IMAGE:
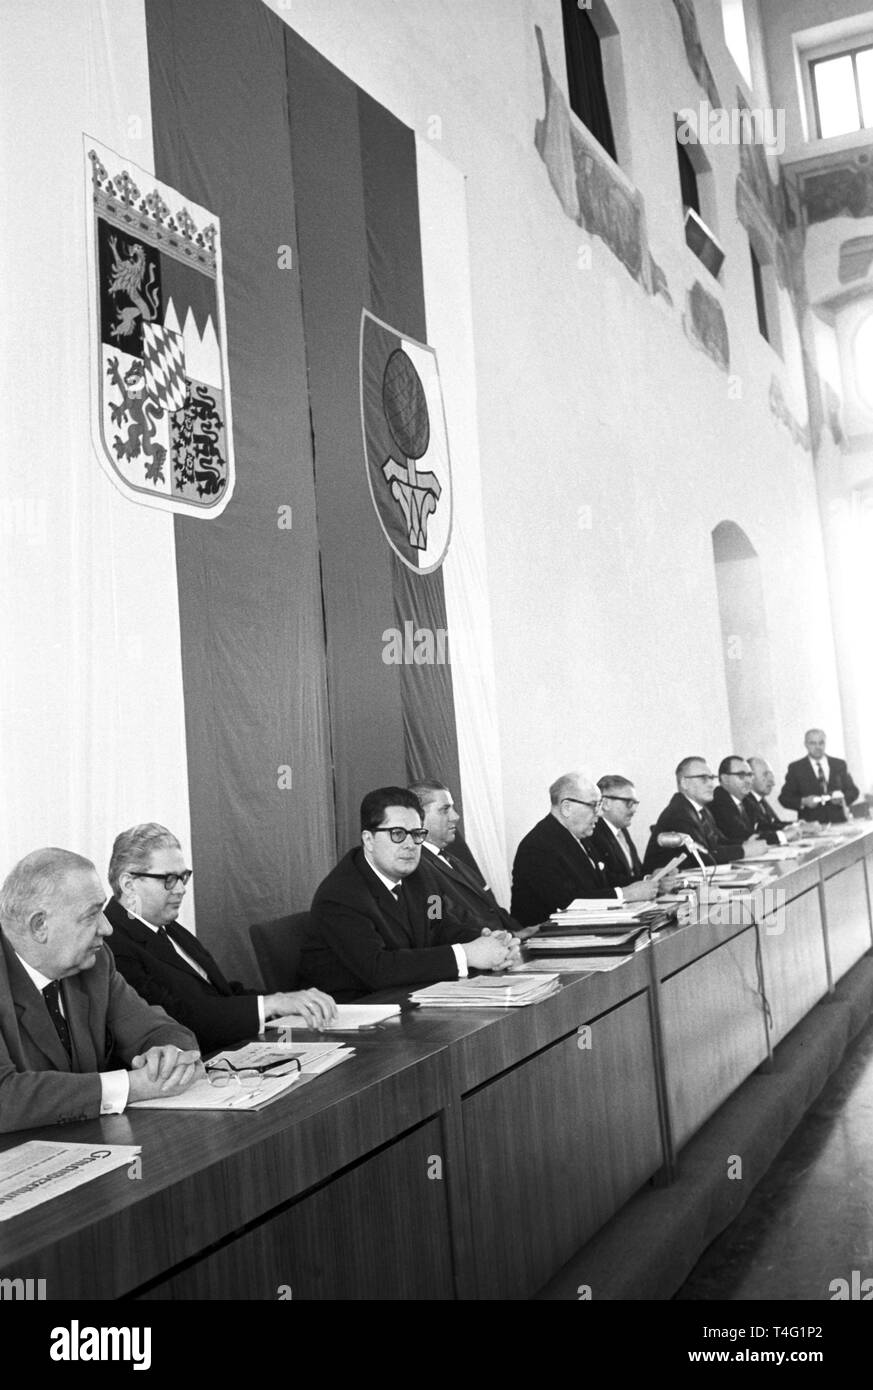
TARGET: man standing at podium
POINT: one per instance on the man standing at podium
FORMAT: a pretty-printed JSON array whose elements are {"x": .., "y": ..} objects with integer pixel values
[{"x": 818, "y": 787}]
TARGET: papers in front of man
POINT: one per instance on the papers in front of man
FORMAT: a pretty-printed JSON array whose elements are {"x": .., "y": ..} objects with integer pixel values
[
  {"x": 35, "y": 1172},
  {"x": 585, "y": 943},
  {"x": 595, "y": 914},
  {"x": 572, "y": 965},
  {"x": 349, "y": 1018},
  {"x": 488, "y": 992},
  {"x": 253, "y": 1076}
]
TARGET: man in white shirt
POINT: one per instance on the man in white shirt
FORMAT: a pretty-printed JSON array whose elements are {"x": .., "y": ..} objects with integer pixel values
[
  {"x": 466, "y": 897},
  {"x": 612, "y": 840},
  {"x": 75, "y": 1040},
  {"x": 767, "y": 824},
  {"x": 167, "y": 964},
  {"x": 819, "y": 788},
  {"x": 377, "y": 923}
]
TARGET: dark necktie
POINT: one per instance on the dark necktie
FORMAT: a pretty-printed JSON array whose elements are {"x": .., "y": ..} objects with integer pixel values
[
  {"x": 822, "y": 780},
  {"x": 51, "y": 995}
]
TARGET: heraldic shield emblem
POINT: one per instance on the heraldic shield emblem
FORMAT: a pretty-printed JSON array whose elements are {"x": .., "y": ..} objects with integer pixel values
[
  {"x": 160, "y": 398},
  {"x": 406, "y": 447}
]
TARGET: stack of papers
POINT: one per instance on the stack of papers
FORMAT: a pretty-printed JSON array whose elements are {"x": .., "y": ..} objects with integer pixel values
[
  {"x": 572, "y": 965},
  {"x": 350, "y": 1017},
  {"x": 587, "y": 943},
  {"x": 280, "y": 1066},
  {"x": 598, "y": 912},
  {"x": 488, "y": 992}
]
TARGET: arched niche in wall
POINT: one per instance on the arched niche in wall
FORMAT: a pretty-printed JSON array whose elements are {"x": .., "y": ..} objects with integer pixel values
[{"x": 745, "y": 645}]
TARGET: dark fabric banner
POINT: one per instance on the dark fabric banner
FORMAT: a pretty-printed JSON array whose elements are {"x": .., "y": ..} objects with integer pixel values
[
  {"x": 251, "y": 618},
  {"x": 388, "y": 655}
]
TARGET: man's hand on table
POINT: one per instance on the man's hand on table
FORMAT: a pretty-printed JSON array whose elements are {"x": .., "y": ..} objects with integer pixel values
[
  {"x": 162, "y": 1071},
  {"x": 314, "y": 1007}
]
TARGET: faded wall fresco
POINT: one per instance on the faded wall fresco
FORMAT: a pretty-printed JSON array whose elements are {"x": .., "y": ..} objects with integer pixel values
[
  {"x": 779, "y": 406},
  {"x": 844, "y": 189},
  {"x": 694, "y": 50},
  {"x": 588, "y": 189},
  {"x": 705, "y": 325},
  {"x": 856, "y": 258}
]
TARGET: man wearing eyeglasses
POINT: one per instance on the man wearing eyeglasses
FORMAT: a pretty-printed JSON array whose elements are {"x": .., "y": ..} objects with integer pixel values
[
  {"x": 611, "y": 840},
  {"x": 167, "y": 965},
  {"x": 688, "y": 813},
  {"x": 555, "y": 863},
  {"x": 377, "y": 920},
  {"x": 730, "y": 811}
]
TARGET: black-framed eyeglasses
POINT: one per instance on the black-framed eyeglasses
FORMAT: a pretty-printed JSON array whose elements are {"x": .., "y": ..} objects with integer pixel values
[
  {"x": 592, "y": 805},
  {"x": 628, "y": 800},
  {"x": 168, "y": 880},
  {"x": 700, "y": 776},
  {"x": 736, "y": 772},
  {"x": 224, "y": 1072},
  {"x": 398, "y": 834}
]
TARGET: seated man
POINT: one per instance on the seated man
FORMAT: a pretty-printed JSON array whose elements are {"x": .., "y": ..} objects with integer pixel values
[
  {"x": 377, "y": 921},
  {"x": 553, "y": 863},
  {"x": 819, "y": 788},
  {"x": 75, "y": 1040},
  {"x": 730, "y": 811},
  {"x": 688, "y": 813},
  {"x": 466, "y": 897},
  {"x": 611, "y": 841},
  {"x": 167, "y": 965},
  {"x": 766, "y": 822}
]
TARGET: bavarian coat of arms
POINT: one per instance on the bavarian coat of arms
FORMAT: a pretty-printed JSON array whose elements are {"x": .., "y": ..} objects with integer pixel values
[{"x": 160, "y": 416}]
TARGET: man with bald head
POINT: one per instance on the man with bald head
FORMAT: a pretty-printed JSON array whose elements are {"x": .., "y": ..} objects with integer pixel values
[
  {"x": 818, "y": 787},
  {"x": 75, "y": 1040},
  {"x": 688, "y": 813},
  {"x": 766, "y": 822},
  {"x": 554, "y": 863}
]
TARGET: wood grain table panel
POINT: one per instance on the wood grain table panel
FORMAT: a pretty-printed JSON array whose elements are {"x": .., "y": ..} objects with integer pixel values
[
  {"x": 378, "y": 1231},
  {"x": 714, "y": 1033},
  {"x": 556, "y": 1145},
  {"x": 795, "y": 966},
  {"x": 847, "y": 918}
]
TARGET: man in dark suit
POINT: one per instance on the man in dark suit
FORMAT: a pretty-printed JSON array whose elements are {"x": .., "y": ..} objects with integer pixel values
[
  {"x": 611, "y": 840},
  {"x": 167, "y": 965},
  {"x": 766, "y": 822},
  {"x": 466, "y": 897},
  {"x": 75, "y": 1040},
  {"x": 554, "y": 863},
  {"x": 819, "y": 788},
  {"x": 687, "y": 813},
  {"x": 730, "y": 811},
  {"x": 377, "y": 920}
]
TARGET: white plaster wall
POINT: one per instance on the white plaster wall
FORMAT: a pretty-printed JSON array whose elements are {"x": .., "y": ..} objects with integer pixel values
[{"x": 594, "y": 406}]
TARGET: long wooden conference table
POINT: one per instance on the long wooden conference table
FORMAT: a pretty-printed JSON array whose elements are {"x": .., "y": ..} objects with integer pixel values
[{"x": 459, "y": 1154}]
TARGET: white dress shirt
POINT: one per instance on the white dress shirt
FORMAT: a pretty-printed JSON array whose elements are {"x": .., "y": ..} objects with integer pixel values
[
  {"x": 391, "y": 884},
  {"x": 194, "y": 966},
  {"x": 114, "y": 1085}
]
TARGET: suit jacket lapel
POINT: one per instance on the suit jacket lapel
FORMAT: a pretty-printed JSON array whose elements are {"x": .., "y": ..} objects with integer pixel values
[
  {"x": 465, "y": 875},
  {"x": 389, "y": 905},
  {"x": 84, "y": 1015},
  {"x": 33, "y": 1016}
]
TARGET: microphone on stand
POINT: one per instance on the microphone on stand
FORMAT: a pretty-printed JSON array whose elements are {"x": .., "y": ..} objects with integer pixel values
[{"x": 674, "y": 839}]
